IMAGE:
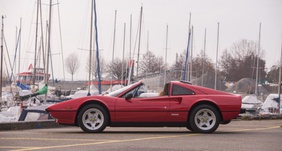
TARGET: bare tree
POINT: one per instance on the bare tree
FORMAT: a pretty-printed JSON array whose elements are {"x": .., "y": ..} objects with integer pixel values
[
  {"x": 115, "y": 68},
  {"x": 225, "y": 64},
  {"x": 201, "y": 64},
  {"x": 94, "y": 64},
  {"x": 198, "y": 64},
  {"x": 272, "y": 74},
  {"x": 240, "y": 61},
  {"x": 72, "y": 64},
  {"x": 177, "y": 67},
  {"x": 150, "y": 63}
]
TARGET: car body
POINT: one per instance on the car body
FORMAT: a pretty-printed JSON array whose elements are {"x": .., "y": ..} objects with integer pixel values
[{"x": 181, "y": 104}]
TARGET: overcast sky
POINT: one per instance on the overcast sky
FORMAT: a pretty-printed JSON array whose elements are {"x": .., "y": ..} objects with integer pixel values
[{"x": 238, "y": 19}]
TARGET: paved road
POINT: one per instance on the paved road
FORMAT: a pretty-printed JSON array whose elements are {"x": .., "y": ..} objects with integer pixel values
[{"x": 255, "y": 135}]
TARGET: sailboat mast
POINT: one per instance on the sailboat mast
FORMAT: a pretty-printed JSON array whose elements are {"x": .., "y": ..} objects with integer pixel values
[
  {"x": 130, "y": 35},
  {"x": 256, "y": 89},
  {"x": 216, "y": 58},
  {"x": 90, "y": 50},
  {"x": 141, "y": 11},
  {"x": 187, "y": 51},
  {"x": 166, "y": 54},
  {"x": 1, "y": 67},
  {"x": 147, "y": 49},
  {"x": 35, "y": 50},
  {"x": 191, "y": 54},
  {"x": 113, "y": 53},
  {"x": 48, "y": 49},
  {"x": 129, "y": 64},
  {"x": 97, "y": 50},
  {"x": 62, "y": 50},
  {"x": 204, "y": 58},
  {"x": 20, "y": 39},
  {"x": 122, "y": 71},
  {"x": 279, "y": 84},
  {"x": 16, "y": 47},
  {"x": 114, "y": 39},
  {"x": 49, "y": 38},
  {"x": 43, "y": 42}
]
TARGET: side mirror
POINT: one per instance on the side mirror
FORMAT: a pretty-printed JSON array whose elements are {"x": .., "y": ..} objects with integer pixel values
[{"x": 128, "y": 96}]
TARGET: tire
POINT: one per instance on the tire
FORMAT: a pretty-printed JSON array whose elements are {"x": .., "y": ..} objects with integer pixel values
[
  {"x": 93, "y": 118},
  {"x": 204, "y": 119},
  {"x": 225, "y": 122},
  {"x": 189, "y": 127}
]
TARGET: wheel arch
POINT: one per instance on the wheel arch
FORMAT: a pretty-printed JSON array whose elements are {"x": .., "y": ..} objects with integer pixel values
[
  {"x": 92, "y": 102},
  {"x": 207, "y": 103}
]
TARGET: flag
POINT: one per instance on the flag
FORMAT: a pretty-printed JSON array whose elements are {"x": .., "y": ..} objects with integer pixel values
[
  {"x": 30, "y": 67},
  {"x": 43, "y": 90},
  {"x": 130, "y": 63}
]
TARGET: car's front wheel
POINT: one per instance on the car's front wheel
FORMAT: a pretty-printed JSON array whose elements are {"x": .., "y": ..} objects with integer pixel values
[
  {"x": 204, "y": 119},
  {"x": 93, "y": 118}
]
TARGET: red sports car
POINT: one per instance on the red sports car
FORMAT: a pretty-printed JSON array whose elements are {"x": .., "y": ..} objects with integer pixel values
[{"x": 180, "y": 104}]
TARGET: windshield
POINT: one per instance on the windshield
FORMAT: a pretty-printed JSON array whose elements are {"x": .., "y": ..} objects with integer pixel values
[{"x": 116, "y": 92}]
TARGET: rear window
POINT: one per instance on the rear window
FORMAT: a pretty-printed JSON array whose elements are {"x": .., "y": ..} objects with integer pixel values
[{"x": 179, "y": 90}]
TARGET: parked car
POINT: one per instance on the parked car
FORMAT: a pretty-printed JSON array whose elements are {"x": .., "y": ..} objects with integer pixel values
[{"x": 181, "y": 104}]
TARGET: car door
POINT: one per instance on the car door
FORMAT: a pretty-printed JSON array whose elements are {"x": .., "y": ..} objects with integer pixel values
[
  {"x": 141, "y": 109},
  {"x": 180, "y": 101}
]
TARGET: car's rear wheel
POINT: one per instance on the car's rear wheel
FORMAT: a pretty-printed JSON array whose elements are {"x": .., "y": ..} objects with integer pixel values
[
  {"x": 204, "y": 119},
  {"x": 93, "y": 118}
]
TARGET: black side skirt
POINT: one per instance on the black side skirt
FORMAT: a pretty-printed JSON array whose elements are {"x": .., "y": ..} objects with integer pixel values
[{"x": 145, "y": 124}]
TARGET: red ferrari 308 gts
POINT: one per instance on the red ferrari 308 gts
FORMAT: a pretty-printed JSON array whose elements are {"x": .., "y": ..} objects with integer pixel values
[{"x": 180, "y": 104}]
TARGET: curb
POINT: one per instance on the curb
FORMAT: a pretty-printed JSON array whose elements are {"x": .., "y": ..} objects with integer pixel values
[
  {"x": 260, "y": 117},
  {"x": 28, "y": 125}
]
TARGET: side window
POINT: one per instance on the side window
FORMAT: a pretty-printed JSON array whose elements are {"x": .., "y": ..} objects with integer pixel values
[
  {"x": 179, "y": 90},
  {"x": 135, "y": 92}
]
